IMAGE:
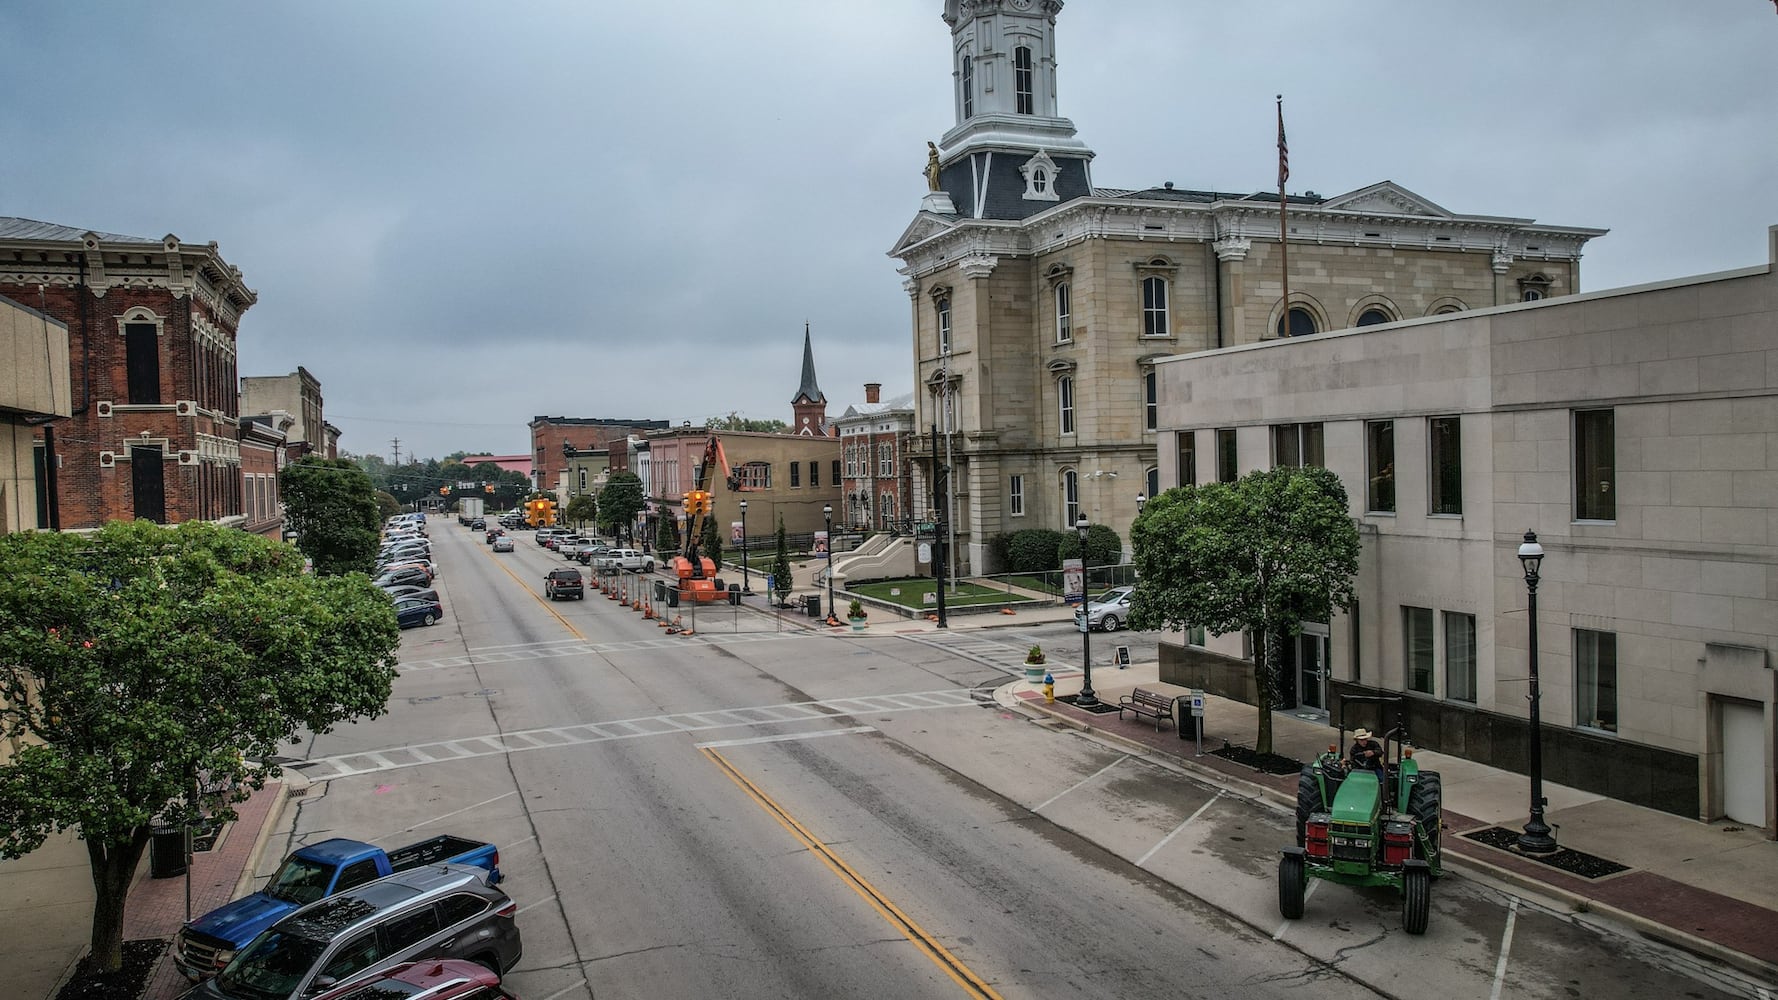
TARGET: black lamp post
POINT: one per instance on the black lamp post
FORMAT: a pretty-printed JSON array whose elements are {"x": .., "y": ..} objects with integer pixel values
[
  {"x": 1536, "y": 839},
  {"x": 1086, "y": 698},
  {"x": 827, "y": 514},
  {"x": 746, "y": 585}
]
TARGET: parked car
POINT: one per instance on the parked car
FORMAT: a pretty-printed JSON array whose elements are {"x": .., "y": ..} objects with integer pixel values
[
  {"x": 545, "y": 534},
  {"x": 634, "y": 560},
  {"x": 203, "y": 946},
  {"x": 410, "y": 612},
  {"x": 503, "y": 544},
  {"x": 394, "y": 577},
  {"x": 413, "y": 591},
  {"x": 564, "y": 583},
  {"x": 422, "y": 565},
  {"x": 429, "y": 979},
  {"x": 570, "y": 546},
  {"x": 1108, "y": 611},
  {"x": 590, "y": 551},
  {"x": 398, "y": 552},
  {"x": 439, "y": 911}
]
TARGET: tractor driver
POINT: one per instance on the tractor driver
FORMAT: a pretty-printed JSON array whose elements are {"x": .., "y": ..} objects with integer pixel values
[{"x": 1367, "y": 754}]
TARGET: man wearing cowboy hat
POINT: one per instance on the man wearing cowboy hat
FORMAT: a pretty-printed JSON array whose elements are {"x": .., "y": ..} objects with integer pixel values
[{"x": 1367, "y": 753}]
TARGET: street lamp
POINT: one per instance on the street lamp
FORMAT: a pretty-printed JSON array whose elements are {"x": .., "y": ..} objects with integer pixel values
[
  {"x": 1086, "y": 698},
  {"x": 746, "y": 585},
  {"x": 827, "y": 514},
  {"x": 1536, "y": 839}
]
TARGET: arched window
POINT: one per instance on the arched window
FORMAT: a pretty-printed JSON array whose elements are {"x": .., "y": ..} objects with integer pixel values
[
  {"x": 944, "y": 325},
  {"x": 1532, "y": 294},
  {"x": 1153, "y": 478},
  {"x": 968, "y": 83},
  {"x": 1302, "y": 323},
  {"x": 1064, "y": 317},
  {"x": 1070, "y": 499},
  {"x": 1372, "y": 317},
  {"x": 1154, "y": 306},
  {"x": 1065, "y": 402},
  {"x": 1022, "y": 82}
]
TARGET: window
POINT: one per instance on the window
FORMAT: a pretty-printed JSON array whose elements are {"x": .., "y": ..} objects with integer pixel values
[
  {"x": 353, "y": 957},
  {"x": 460, "y": 907},
  {"x": 1194, "y": 636},
  {"x": 1070, "y": 499},
  {"x": 967, "y": 72},
  {"x": 1022, "y": 82},
  {"x": 814, "y": 474},
  {"x": 1594, "y": 458},
  {"x": 1187, "y": 450},
  {"x": 1416, "y": 638},
  {"x": 412, "y": 928},
  {"x": 583, "y": 480},
  {"x": 1151, "y": 404},
  {"x": 142, "y": 361},
  {"x": 886, "y": 511},
  {"x": 1379, "y": 465},
  {"x": 1445, "y": 435},
  {"x": 1227, "y": 466},
  {"x": 1459, "y": 656},
  {"x": 1153, "y": 480},
  {"x": 1065, "y": 402},
  {"x": 836, "y": 473},
  {"x": 944, "y": 325},
  {"x": 1015, "y": 496},
  {"x": 40, "y": 472},
  {"x": 757, "y": 475},
  {"x": 1595, "y": 679},
  {"x": 851, "y": 460},
  {"x": 1154, "y": 306},
  {"x": 885, "y": 460},
  {"x": 796, "y": 476},
  {"x": 1301, "y": 323},
  {"x": 148, "y": 488},
  {"x": 1373, "y": 317},
  {"x": 1296, "y": 445},
  {"x": 1064, "y": 313},
  {"x": 356, "y": 874},
  {"x": 1532, "y": 295}
]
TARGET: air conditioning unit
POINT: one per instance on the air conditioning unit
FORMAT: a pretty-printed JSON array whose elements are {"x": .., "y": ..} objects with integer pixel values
[
  {"x": 188, "y": 458},
  {"x": 107, "y": 459},
  {"x": 104, "y": 409},
  {"x": 185, "y": 408}
]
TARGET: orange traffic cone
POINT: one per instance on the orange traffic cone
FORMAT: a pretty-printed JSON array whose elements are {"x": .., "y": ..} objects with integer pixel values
[{"x": 647, "y": 608}]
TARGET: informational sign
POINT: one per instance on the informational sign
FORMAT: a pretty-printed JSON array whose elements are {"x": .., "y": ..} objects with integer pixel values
[
  {"x": 1198, "y": 704},
  {"x": 734, "y": 532},
  {"x": 1074, "y": 581},
  {"x": 925, "y": 552},
  {"x": 821, "y": 544},
  {"x": 1122, "y": 658},
  {"x": 929, "y": 597}
]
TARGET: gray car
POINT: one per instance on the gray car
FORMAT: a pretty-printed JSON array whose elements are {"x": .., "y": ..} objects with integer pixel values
[
  {"x": 1109, "y": 610},
  {"x": 440, "y": 911}
]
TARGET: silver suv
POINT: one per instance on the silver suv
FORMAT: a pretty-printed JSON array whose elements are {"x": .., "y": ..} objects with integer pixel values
[{"x": 440, "y": 911}]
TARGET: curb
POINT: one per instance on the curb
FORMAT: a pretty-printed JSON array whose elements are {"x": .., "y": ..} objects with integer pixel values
[
  {"x": 294, "y": 784},
  {"x": 1478, "y": 869}
]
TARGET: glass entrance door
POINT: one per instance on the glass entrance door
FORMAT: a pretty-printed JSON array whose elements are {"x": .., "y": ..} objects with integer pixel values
[{"x": 1311, "y": 658}]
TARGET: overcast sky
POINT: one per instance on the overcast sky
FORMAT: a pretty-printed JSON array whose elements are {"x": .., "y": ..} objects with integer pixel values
[{"x": 459, "y": 216}]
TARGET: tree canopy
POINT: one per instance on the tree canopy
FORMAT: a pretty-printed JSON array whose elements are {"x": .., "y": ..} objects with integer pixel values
[
  {"x": 137, "y": 661},
  {"x": 332, "y": 506},
  {"x": 619, "y": 502},
  {"x": 1262, "y": 555},
  {"x": 583, "y": 508},
  {"x": 735, "y": 422}
]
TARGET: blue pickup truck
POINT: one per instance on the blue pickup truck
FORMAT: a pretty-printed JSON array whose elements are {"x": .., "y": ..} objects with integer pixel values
[{"x": 318, "y": 871}]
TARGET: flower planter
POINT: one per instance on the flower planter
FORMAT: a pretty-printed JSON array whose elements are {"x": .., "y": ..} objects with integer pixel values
[
  {"x": 1034, "y": 672},
  {"x": 858, "y": 623}
]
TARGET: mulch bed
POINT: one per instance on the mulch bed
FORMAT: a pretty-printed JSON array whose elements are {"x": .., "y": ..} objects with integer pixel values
[
  {"x": 125, "y": 984},
  {"x": 1097, "y": 708},
  {"x": 1564, "y": 859},
  {"x": 1265, "y": 763}
]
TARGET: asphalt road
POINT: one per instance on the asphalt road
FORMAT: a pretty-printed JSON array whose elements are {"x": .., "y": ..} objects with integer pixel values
[{"x": 767, "y": 812}]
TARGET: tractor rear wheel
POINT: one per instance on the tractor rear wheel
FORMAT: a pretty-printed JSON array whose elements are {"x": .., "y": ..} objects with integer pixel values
[
  {"x": 1308, "y": 800},
  {"x": 1292, "y": 881},
  {"x": 1416, "y": 899},
  {"x": 1426, "y": 802}
]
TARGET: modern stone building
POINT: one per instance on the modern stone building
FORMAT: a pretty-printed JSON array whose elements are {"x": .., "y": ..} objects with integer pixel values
[
  {"x": 153, "y": 430},
  {"x": 1039, "y": 301},
  {"x": 1634, "y": 430},
  {"x": 299, "y": 395},
  {"x": 33, "y": 392}
]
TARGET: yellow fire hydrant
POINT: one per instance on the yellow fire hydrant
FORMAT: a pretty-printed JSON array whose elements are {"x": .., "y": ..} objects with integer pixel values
[{"x": 1049, "y": 689}]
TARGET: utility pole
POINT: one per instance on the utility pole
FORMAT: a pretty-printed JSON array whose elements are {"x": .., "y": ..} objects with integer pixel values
[
  {"x": 396, "y": 444},
  {"x": 941, "y": 491}
]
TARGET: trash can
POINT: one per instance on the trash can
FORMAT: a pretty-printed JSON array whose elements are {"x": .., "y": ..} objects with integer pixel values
[
  {"x": 734, "y": 593},
  {"x": 166, "y": 852},
  {"x": 660, "y": 591},
  {"x": 812, "y": 605}
]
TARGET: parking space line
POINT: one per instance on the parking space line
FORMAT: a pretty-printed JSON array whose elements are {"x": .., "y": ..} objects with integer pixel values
[
  {"x": 1506, "y": 947},
  {"x": 1278, "y": 935},
  {"x": 1164, "y": 840},
  {"x": 454, "y": 812},
  {"x": 535, "y": 904},
  {"x": 1070, "y": 788},
  {"x": 557, "y": 995}
]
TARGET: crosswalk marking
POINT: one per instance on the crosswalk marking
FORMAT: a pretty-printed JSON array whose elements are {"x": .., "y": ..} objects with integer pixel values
[
  {"x": 495, "y": 744},
  {"x": 595, "y": 648},
  {"x": 1007, "y": 657}
]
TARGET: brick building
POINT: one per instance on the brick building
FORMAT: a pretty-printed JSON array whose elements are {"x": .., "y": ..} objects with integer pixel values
[
  {"x": 554, "y": 438},
  {"x": 793, "y": 475},
  {"x": 263, "y": 455},
  {"x": 153, "y": 429},
  {"x": 877, "y": 482}
]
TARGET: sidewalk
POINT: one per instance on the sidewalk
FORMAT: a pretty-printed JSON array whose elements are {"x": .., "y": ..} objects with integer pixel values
[{"x": 1711, "y": 889}]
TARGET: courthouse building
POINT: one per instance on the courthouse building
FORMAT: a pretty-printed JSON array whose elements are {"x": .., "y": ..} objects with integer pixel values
[{"x": 1040, "y": 302}]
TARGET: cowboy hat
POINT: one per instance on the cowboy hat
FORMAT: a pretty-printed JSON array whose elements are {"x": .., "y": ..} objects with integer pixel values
[{"x": 1361, "y": 733}]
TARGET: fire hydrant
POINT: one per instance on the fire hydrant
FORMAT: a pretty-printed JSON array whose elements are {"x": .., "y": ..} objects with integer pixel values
[{"x": 1049, "y": 689}]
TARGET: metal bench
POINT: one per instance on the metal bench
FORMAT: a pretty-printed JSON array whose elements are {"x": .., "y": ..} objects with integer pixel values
[{"x": 1150, "y": 703}]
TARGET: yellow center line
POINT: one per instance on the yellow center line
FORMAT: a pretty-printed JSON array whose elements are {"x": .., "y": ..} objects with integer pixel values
[
  {"x": 547, "y": 606},
  {"x": 972, "y": 984}
]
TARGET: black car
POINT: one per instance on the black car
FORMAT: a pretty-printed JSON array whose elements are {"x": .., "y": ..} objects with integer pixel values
[
  {"x": 479, "y": 524},
  {"x": 412, "y": 611},
  {"x": 397, "y": 577}
]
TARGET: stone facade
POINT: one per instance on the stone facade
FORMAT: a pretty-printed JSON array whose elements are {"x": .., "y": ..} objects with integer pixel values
[
  {"x": 298, "y": 394},
  {"x": 33, "y": 389},
  {"x": 1635, "y": 431},
  {"x": 787, "y": 474}
]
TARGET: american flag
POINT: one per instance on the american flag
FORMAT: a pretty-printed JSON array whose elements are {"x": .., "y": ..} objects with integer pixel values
[{"x": 1284, "y": 148}]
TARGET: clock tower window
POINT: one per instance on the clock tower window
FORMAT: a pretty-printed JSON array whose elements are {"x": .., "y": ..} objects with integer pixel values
[{"x": 1022, "y": 80}]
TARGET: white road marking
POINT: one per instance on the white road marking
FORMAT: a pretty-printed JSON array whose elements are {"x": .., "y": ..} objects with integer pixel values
[
  {"x": 1070, "y": 788},
  {"x": 579, "y": 648},
  {"x": 533, "y": 905},
  {"x": 787, "y": 737},
  {"x": 525, "y": 645},
  {"x": 557, "y": 995},
  {"x": 1285, "y": 926},
  {"x": 386, "y": 758},
  {"x": 1506, "y": 947},
  {"x": 454, "y": 812},
  {"x": 1164, "y": 840}
]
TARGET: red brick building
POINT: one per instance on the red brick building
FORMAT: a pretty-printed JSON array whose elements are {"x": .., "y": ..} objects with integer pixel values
[
  {"x": 552, "y": 438},
  {"x": 877, "y": 484},
  {"x": 155, "y": 431},
  {"x": 262, "y": 458}
]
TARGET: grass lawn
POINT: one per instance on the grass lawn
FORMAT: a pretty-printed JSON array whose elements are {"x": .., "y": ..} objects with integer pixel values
[{"x": 913, "y": 593}]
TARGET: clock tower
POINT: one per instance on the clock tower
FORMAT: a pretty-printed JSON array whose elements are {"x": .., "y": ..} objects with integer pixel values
[{"x": 1010, "y": 155}]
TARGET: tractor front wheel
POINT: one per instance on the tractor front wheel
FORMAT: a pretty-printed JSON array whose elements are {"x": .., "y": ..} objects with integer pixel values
[
  {"x": 1416, "y": 899},
  {"x": 1293, "y": 880}
]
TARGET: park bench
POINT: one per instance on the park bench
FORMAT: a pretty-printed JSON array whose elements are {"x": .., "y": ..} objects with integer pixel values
[{"x": 1150, "y": 703}]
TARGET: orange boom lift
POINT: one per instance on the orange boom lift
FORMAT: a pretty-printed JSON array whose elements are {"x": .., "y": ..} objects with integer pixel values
[{"x": 696, "y": 571}]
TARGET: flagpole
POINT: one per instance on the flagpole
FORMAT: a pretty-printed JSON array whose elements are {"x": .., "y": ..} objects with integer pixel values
[{"x": 1283, "y": 225}]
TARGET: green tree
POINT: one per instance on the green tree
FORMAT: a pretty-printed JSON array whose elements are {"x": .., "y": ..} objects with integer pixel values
[
  {"x": 666, "y": 535},
  {"x": 583, "y": 508},
  {"x": 333, "y": 509},
  {"x": 141, "y": 661},
  {"x": 710, "y": 542},
  {"x": 781, "y": 564},
  {"x": 1262, "y": 555},
  {"x": 735, "y": 422},
  {"x": 619, "y": 502},
  {"x": 387, "y": 505}
]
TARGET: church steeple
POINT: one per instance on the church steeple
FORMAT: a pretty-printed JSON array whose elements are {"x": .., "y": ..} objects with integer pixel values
[
  {"x": 1010, "y": 154},
  {"x": 809, "y": 407}
]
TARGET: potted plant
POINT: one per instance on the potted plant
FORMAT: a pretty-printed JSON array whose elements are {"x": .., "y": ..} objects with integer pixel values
[
  {"x": 1034, "y": 661},
  {"x": 855, "y": 615}
]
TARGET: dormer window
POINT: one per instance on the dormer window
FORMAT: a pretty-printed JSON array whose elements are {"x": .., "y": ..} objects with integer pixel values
[
  {"x": 1533, "y": 288},
  {"x": 1040, "y": 178},
  {"x": 1022, "y": 81}
]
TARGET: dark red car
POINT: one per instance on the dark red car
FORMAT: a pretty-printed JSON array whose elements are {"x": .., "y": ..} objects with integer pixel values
[{"x": 433, "y": 979}]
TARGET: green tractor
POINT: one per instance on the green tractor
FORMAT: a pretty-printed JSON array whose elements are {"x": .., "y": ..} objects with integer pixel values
[{"x": 1355, "y": 826}]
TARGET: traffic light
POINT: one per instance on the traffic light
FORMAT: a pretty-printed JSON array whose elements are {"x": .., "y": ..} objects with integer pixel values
[
  {"x": 697, "y": 502},
  {"x": 488, "y": 488},
  {"x": 444, "y": 491}
]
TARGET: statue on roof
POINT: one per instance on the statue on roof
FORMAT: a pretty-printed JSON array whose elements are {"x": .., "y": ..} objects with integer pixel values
[{"x": 931, "y": 167}]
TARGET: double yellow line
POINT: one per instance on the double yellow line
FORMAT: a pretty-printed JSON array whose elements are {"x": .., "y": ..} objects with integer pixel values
[
  {"x": 926, "y": 943},
  {"x": 547, "y": 605}
]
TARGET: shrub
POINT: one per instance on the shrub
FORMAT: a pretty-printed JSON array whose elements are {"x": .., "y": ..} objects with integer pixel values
[
  {"x": 999, "y": 552},
  {"x": 1034, "y": 550},
  {"x": 855, "y": 609},
  {"x": 1104, "y": 547}
]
